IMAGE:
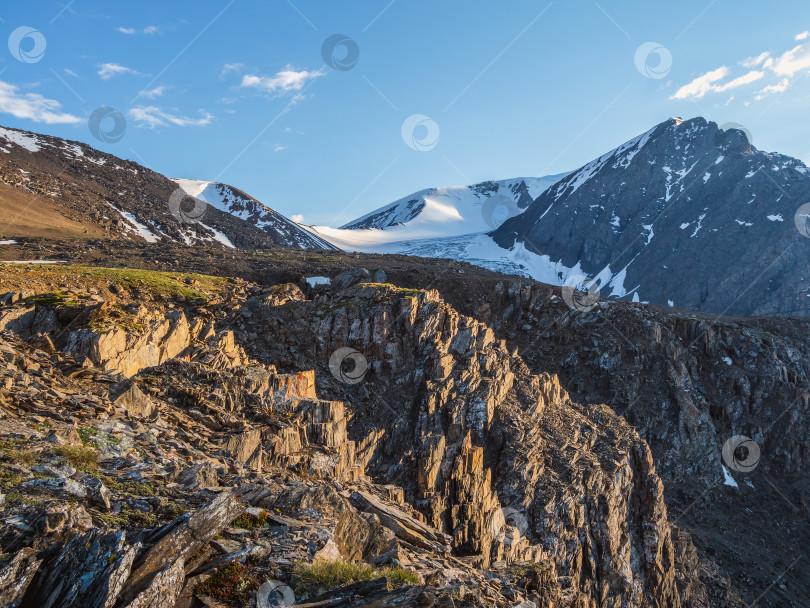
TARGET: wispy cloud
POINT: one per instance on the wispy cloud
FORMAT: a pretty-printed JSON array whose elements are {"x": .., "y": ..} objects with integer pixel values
[
  {"x": 286, "y": 81},
  {"x": 152, "y": 116},
  {"x": 33, "y": 106},
  {"x": 701, "y": 85},
  {"x": 748, "y": 78},
  {"x": 153, "y": 93},
  {"x": 111, "y": 70},
  {"x": 795, "y": 60},
  {"x": 150, "y": 30},
  {"x": 231, "y": 67},
  {"x": 752, "y": 62},
  {"x": 71, "y": 73},
  {"x": 125, "y": 30},
  {"x": 279, "y": 148},
  {"x": 773, "y": 89},
  {"x": 786, "y": 65}
]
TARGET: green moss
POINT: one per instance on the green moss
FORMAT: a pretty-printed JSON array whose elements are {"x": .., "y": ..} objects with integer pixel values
[{"x": 322, "y": 576}]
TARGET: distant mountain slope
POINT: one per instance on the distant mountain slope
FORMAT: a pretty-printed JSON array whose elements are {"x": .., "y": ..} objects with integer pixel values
[
  {"x": 438, "y": 213},
  {"x": 64, "y": 189},
  {"x": 685, "y": 214},
  {"x": 231, "y": 200}
]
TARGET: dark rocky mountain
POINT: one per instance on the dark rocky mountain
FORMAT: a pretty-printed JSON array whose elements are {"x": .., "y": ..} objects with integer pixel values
[
  {"x": 56, "y": 188},
  {"x": 686, "y": 214}
]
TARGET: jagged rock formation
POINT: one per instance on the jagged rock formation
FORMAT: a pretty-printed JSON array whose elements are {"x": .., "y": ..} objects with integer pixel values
[
  {"x": 689, "y": 382},
  {"x": 450, "y": 457}
]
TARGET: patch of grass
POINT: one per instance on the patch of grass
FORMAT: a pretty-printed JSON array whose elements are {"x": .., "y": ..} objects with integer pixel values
[
  {"x": 130, "y": 518},
  {"x": 84, "y": 459},
  {"x": 23, "y": 457},
  {"x": 322, "y": 576},
  {"x": 191, "y": 286},
  {"x": 231, "y": 585},
  {"x": 15, "y": 451},
  {"x": 400, "y": 290},
  {"x": 131, "y": 488},
  {"x": 58, "y": 299}
]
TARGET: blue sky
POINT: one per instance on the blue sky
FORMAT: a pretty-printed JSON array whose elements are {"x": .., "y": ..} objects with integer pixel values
[{"x": 242, "y": 92}]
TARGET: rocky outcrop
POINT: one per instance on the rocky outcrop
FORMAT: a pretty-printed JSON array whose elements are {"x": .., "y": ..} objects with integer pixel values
[
  {"x": 448, "y": 458},
  {"x": 485, "y": 451}
]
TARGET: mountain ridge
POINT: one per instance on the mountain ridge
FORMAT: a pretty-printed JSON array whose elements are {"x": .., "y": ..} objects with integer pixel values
[
  {"x": 75, "y": 189},
  {"x": 684, "y": 199}
]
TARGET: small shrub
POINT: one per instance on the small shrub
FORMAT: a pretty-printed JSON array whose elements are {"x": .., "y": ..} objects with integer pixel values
[
  {"x": 231, "y": 585},
  {"x": 249, "y": 521},
  {"x": 83, "y": 459},
  {"x": 322, "y": 576},
  {"x": 23, "y": 457}
]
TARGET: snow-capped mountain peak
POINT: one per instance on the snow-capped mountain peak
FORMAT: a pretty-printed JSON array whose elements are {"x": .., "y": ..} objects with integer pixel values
[{"x": 282, "y": 230}]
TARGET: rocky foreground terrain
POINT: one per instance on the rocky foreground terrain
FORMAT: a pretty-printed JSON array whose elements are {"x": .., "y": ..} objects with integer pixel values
[
  {"x": 155, "y": 455},
  {"x": 181, "y": 437}
]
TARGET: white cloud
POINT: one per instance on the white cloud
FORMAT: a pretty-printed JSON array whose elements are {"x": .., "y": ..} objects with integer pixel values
[
  {"x": 786, "y": 65},
  {"x": 701, "y": 85},
  {"x": 150, "y": 30},
  {"x": 33, "y": 106},
  {"x": 286, "y": 81},
  {"x": 794, "y": 60},
  {"x": 772, "y": 89},
  {"x": 152, "y": 116},
  {"x": 279, "y": 148},
  {"x": 753, "y": 62},
  {"x": 231, "y": 67},
  {"x": 297, "y": 218},
  {"x": 748, "y": 78},
  {"x": 110, "y": 70},
  {"x": 71, "y": 73},
  {"x": 153, "y": 93},
  {"x": 126, "y": 30}
]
